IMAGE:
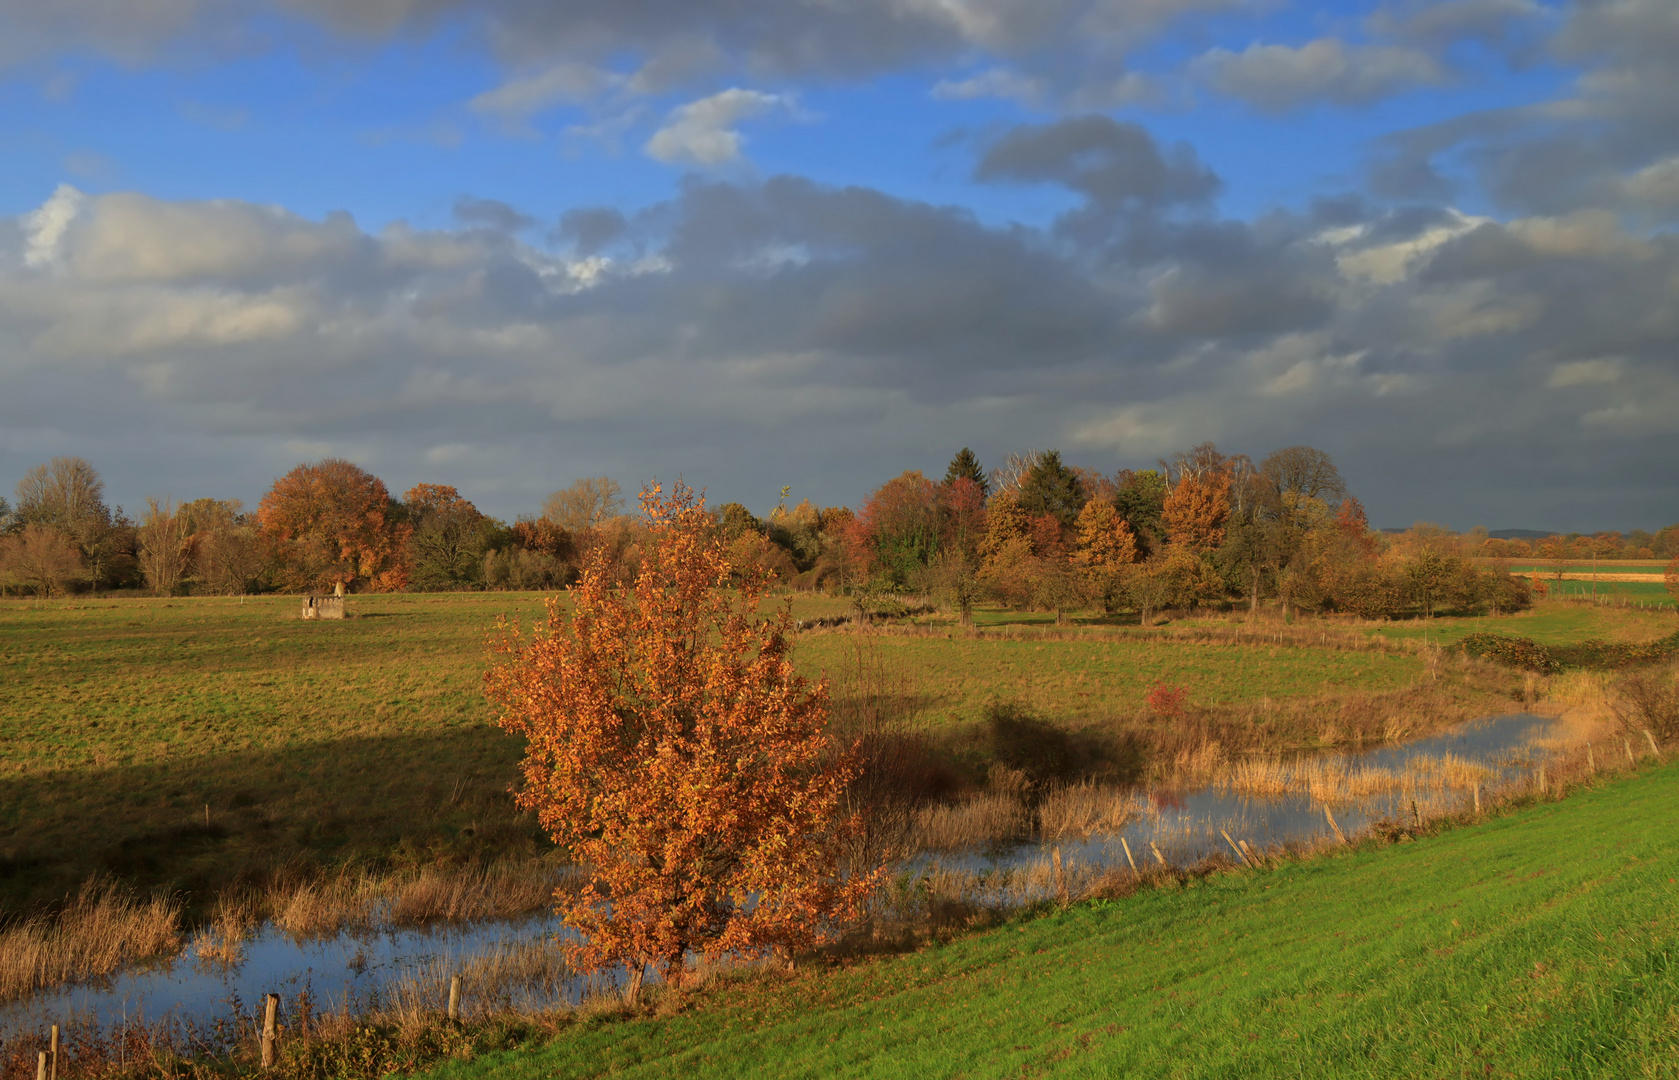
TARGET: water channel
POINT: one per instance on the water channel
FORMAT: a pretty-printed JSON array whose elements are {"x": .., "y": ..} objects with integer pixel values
[{"x": 354, "y": 969}]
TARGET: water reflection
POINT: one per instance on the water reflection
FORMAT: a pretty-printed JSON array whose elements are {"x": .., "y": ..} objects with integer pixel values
[{"x": 520, "y": 959}]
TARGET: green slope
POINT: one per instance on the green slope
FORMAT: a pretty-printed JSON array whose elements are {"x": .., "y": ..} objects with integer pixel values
[{"x": 1538, "y": 944}]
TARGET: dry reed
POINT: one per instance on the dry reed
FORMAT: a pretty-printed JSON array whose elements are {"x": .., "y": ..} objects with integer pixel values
[{"x": 97, "y": 932}]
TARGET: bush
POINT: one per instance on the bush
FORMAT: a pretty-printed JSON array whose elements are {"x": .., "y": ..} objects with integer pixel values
[{"x": 1516, "y": 652}]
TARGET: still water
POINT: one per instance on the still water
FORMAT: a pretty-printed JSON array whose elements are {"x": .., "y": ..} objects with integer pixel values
[{"x": 354, "y": 968}]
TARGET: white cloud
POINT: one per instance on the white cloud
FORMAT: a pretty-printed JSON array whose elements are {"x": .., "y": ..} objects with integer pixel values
[
  {"x": 703, "y": 132},
  {"x": 1276, "y": 78},
  {"x": 1598, "y": 372},
  {"x": 1656, "y": 186},
  {"x": 45, "y": 226}
]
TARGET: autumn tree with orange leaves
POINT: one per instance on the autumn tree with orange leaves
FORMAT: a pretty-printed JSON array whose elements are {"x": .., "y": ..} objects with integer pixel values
[
  {"x": 675, "y": 752},
  {"x": 1196, "y": 510},
  {"x": 332, "y": 523}
]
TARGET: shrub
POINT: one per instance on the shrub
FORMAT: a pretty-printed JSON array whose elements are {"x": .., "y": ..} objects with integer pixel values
[{"x": 1516, "y": 652}]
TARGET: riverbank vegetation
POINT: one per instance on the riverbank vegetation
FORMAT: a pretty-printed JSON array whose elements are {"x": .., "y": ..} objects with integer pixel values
[{"x": 1528, "y": 937}]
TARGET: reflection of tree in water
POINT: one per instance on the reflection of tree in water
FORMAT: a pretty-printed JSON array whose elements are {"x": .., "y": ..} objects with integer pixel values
[{"x": 1167, "y": 799}]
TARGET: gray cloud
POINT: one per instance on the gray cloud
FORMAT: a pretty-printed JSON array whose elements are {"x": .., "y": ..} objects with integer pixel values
[
  {"x": 491, "y": 213},
  {"x": 1112, "y": 164},
  {"x": 749, "y": 335}
]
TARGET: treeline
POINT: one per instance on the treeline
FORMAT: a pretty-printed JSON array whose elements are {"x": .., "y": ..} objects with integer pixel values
[{"x": 1204, "y": 529}]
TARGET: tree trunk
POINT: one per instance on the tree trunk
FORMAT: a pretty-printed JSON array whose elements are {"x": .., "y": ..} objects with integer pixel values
[
  {"x": 632, "y": 992},
  {"x": 1060, "y": 617},
  {"x": 967, "y": 613},
  {"x": 1253, "y": 601}
]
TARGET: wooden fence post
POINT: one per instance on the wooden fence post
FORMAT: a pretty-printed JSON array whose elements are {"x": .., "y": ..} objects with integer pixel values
[
  {"x": 41, "y": 1066},
  {"x": 1234, "y": 847},
  {"x": 1541, "y": 779},
  {"x": 1630, "y": 759},
  {"x": 271, "y": 1007},
  {"x": 1333, "y": 824},
  {"x": 1477, "y": 796},
  {"x": 1128, "y": 857},
  {"x": 1651, "y": 739},
  {"x": 1591, "y": 762},
  {"x": 1157, "y": 854},
  {"x": 454, "y": 999},
  {"x": 54, "y": 1074},
  {"x": 1060, "y": 878}
]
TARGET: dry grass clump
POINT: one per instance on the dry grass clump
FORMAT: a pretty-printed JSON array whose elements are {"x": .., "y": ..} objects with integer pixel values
[
  {"x": 1080, "y": 810},
  {"x": 1338, "y": 780},
  {"x": 98, "y": 931},
  {"x": 983, "y": 820},
  {"x": 497, "y": 892},
  {"x": 222, "y": 942}
]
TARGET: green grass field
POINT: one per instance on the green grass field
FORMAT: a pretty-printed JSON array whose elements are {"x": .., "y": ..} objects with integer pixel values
[
  {"x": 314, "y": 743},
  {"x": 1538, "y": 944},
  {"x": 1546, "y": 623}
]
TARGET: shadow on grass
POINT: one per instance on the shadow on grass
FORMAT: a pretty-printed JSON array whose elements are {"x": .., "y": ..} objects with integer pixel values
[{"x": 200, "y": 825}]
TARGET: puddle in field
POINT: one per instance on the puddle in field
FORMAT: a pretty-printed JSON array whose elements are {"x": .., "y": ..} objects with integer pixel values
[{"x": 517, "y": 963}]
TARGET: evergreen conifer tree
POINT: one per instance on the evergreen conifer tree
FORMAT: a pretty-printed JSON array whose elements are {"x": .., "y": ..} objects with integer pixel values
[{"x": 965, "y": 464}]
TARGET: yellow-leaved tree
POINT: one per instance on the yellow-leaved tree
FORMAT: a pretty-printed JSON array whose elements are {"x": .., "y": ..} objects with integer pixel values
[{"x": 675, "y": 753}]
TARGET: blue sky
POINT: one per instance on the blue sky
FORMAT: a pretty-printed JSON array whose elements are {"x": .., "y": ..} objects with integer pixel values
[{"x": 1432, "y": 238}]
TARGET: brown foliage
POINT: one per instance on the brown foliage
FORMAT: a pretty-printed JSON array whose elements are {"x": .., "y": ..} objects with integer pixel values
[
  {"x": 330, "y": 523},
  {"x": 1197, "y": 508},
  {"x": 674, "y": 750},
  {"x": 40, "y": 559}
]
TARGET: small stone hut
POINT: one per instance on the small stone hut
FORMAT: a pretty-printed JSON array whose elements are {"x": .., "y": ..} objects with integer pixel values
[{"x": 321, "y": 606}]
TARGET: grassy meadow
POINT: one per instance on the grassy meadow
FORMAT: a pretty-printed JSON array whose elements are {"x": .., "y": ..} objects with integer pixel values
[
  {"x": 194, "y": 744},
  {"x": 1546, "y": 623},
  {"x": 1539, "y": 943}
]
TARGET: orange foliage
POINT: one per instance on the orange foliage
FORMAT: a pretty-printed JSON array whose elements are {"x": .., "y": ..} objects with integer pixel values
[
  {"x": 330, "y": 522},
  {"x": 674, "y": 751},
  {"x": 1104, "y": 539},
  {"x": 1196, "y": 510}
]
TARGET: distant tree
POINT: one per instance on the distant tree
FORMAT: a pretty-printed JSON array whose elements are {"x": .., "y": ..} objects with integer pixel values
[
  {"x": 41, "y": 559},
  {"x": 1304, "y": 473},
  {"x": 227, "y": 557},
  {"x": 333, "y": 522},
  {"x": 1556, "y": 551},
  {"x": 675, "y": 752},
  {"x": 586, "y": 504},
  {"x": 166, "y": 546},
  {"x": 68, "y": 495},
  {"x": 448, "y": 540},
  {"x": 1050, "y": 487},
  {"x": 1141, "y": 500},
  {"x": 1012, "y": 473},
  {"x": 7, "y": 521},
  {"x": 1105, "y": 548},
  {"x": 1671, "y": 578},
  {"x": 965, "y": 466},
  {"x": 1196, "y": 510},
  {"x": 898, "y": 527},
  {"x": 735, "y": 520}
]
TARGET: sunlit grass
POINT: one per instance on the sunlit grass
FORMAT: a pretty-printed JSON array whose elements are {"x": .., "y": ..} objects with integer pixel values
[{"x": 1536, "y": 944}]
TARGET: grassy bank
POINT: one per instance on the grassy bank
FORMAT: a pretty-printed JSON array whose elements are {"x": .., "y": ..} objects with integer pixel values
[
  {"x": 1541, "y": 943},
  {"x": 197, "y": 745}
]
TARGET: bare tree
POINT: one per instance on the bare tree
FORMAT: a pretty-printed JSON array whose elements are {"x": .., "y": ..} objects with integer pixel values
[
  {"x": 165, "y": 546},
  {"x": 1305, "y": 473},
  {"x": 40, "y": 559},
  {"x": 1013, "y": 471},
  {"x": 66, "y": 494},
  {"x": 584, "y": 505}
]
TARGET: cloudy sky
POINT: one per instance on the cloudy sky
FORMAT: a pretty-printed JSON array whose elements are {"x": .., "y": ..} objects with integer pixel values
[{"x": 507, "y": 243}]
